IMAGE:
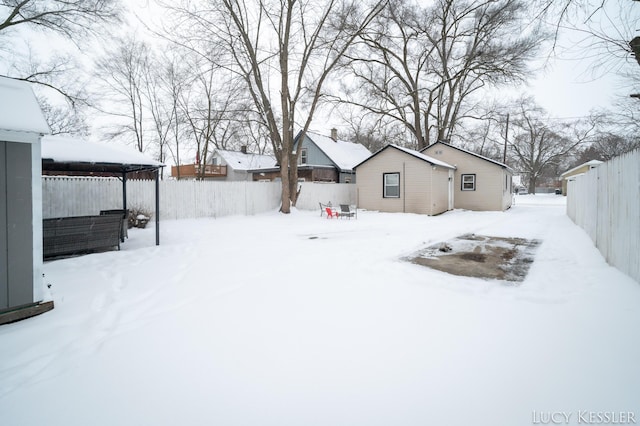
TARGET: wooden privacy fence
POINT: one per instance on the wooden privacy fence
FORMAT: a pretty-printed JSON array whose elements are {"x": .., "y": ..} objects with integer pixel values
[
  {"x": 183, "y": 199},
  {"x": 605, "y": 202}
]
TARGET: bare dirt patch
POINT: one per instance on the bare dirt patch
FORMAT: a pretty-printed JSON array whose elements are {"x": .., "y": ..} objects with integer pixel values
[{"x": 480, "y": 256}]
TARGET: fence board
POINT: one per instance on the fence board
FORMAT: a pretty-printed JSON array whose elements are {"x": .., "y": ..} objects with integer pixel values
[
  {"x": 605, "y": 202},
  {"x": 183, "y": 199}
]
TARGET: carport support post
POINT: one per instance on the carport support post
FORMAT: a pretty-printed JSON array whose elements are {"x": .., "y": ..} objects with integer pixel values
[
  {"x": 124, "y": 190},
  {"x": 157, "y": 207}
]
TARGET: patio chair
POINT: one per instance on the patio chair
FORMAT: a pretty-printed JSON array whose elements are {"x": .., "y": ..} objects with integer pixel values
[
  {"x": 345, "y": 210},
  {"x": 331, "y": 213},
  {"x": 323, "y": 207}
]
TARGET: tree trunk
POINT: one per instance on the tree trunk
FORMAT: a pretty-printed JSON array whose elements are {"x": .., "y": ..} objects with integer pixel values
[
  {"x": 293, "y": 177},
  {"x": 285, "y": 206},
  {"x": 532, "y": 185}
]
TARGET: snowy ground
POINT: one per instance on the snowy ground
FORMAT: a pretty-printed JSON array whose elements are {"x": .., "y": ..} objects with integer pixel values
[{"x": 250, "y": 321}]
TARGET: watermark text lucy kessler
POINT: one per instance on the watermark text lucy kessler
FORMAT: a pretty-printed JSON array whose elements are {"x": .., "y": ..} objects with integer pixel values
[{"x": 584, "y": 417}]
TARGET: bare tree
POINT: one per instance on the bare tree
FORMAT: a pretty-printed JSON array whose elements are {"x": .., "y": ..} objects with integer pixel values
[
  {"x": 68, "y": 121},
  {"x": 174, "y": 82},
  {"x": 211, "y": 108},
  {"x": 123, "y": 71},
  {"x": 537, "y": 145},
  {"x": 617, "y": 132},
  {"x": 164, "y": 81},
  {"x": 72, "y": 20},
  {"x": 611, "y": 23},
  {"x": 284, "y": 52},
  {"x": 371, "y": 130},
  {"x": 607, "y": 146},
  {"x": 67, "y": 17},
  {"x": 422, "y": 65},
  {"x": 485, "y": 139}
]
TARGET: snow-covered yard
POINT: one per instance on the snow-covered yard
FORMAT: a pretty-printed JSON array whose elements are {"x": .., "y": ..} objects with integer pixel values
[{"x": 300, "y": 320}]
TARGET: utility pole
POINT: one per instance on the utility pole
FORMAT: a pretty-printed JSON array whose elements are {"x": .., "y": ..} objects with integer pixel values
[{"x": 506, "y": 135}]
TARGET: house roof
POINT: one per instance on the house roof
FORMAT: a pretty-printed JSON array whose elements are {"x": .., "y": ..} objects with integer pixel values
[
  {"x": 61, "y": 153},
  {"x": 345, "y": 155},
  {"x": 19, "y": 109},
  {"x": 413, "y": 153},
  {"x": 482, "y": 157},
  {"x": 241, "y": 161},
  {"x": 592, "y": 163}
]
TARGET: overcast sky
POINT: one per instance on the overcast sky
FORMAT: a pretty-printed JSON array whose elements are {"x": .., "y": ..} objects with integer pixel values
[
  {"x": 566, "y": 88},
  {"x": 568, "y": 85}
]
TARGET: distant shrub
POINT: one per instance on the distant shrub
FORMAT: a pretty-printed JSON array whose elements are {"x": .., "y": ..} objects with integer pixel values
[{"x": 138, "y": 217}]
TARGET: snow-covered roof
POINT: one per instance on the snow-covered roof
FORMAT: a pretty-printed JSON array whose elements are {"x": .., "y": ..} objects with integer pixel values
[
  {"x": 62, "y": 149},
  {"x": 413, "y": 153},
  {"x": 345, "y": 155},
  {"x": 470, "y": 153},
  {"x": 19, "y": 109},
  {"x": 591, "y": 164},
  {"x": 241, "y": 161},
  {"x": 424, "y": 157}
]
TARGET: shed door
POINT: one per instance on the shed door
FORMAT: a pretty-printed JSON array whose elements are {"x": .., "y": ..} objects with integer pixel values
[
  {"x": 4, "y": 273},
  {"x": 16, "y": 225}
]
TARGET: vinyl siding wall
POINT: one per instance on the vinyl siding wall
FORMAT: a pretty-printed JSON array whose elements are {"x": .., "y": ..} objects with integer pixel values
[
  {"x": 314, "y": 155},
  {"x": 490, "y": 193},
  {"x": 422, "y": 189}
]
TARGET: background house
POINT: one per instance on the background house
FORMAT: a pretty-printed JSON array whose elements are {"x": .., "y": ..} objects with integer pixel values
[
  {"x": 22, "y": 126},
  {"x": 240, "y": 165},
  {"x": 397, "y": 179},
  {"x": 323, "y": 159},
  {"x": 227, "y": 165},
  {"x": 578, "y": 170},
  {"x": 480, "y": 183},
  {"x": 328, "y": 159}
]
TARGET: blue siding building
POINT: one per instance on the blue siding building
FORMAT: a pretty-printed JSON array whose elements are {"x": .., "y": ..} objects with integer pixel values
[{"x": 328, "y": 159}]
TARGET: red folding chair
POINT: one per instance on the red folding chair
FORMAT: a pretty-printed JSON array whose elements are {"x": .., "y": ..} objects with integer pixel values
[{"x": 331, "y": 213}]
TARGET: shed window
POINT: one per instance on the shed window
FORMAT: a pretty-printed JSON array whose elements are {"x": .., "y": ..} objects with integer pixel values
[
  {"x": 303, "y": 156},
  {"x": 468, "y": 182},
  {"x": 391, "y": 185}
]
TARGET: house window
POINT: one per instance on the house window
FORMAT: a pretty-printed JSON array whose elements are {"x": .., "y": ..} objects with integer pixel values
[
  {"x": 391, "y": 185},
  {"x": 468, "y": 182},
  {"x": 303, "y": 156}
]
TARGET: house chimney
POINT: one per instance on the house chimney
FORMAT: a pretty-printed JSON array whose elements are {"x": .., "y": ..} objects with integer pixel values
[
  {"x": 334, "y": 134},
  {"x": 243, "y": 149}
]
